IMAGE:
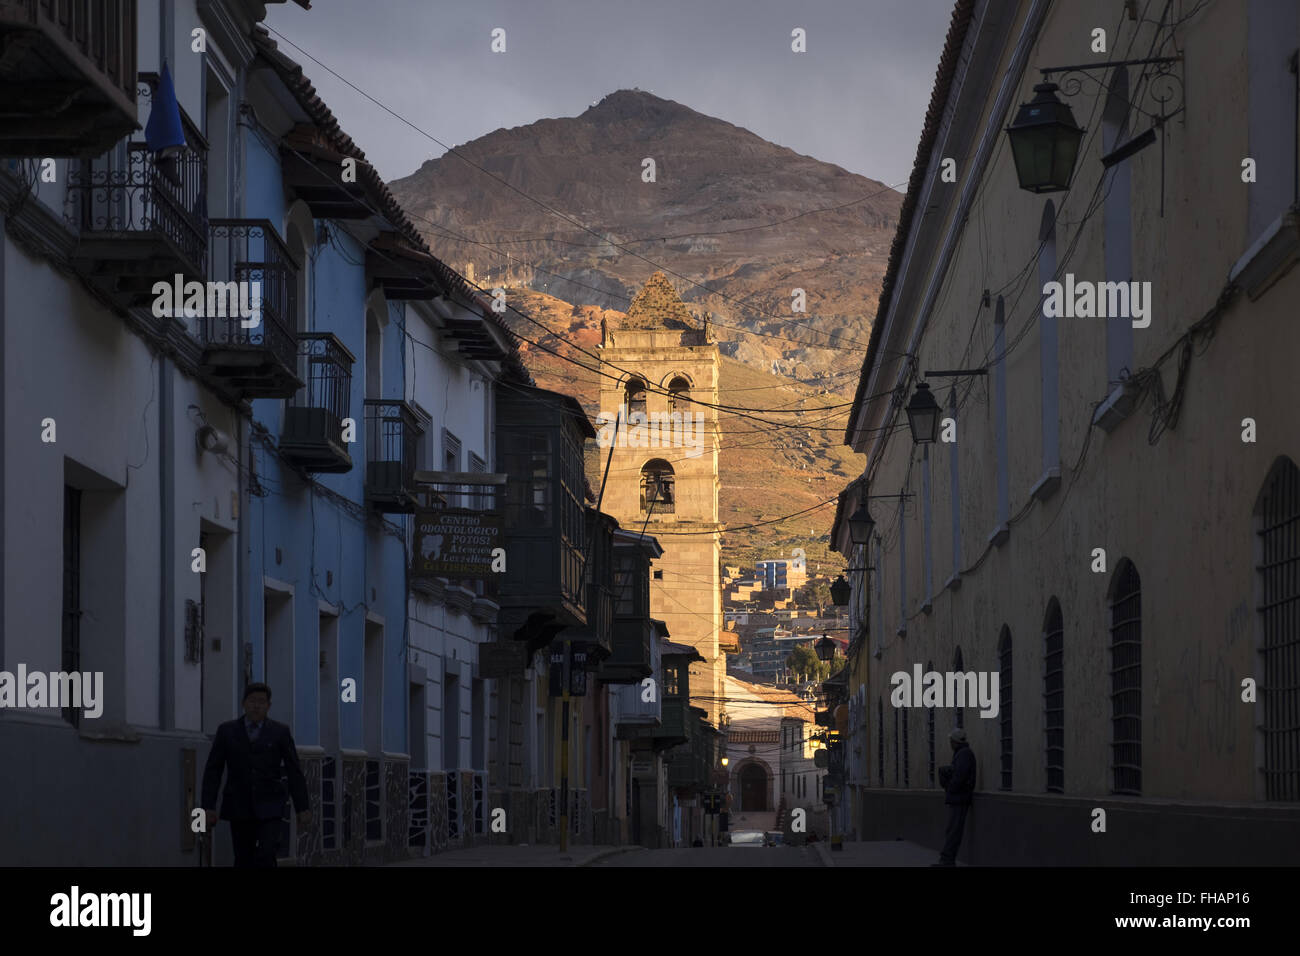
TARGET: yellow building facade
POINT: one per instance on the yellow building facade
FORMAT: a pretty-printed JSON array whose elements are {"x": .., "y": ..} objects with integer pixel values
[
  {"x": 658, "y": 366},
  {"x": 1110, "y": 518}
]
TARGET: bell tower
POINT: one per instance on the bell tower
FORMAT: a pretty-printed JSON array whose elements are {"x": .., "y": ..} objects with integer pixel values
[{"x": 659, "y": 364}]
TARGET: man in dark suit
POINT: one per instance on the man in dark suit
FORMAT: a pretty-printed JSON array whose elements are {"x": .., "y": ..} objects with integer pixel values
[{"x": 251, "y": 751}]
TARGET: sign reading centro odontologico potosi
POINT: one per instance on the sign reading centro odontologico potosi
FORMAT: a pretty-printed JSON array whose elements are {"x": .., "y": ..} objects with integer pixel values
[{"x": 455, "y": 543}]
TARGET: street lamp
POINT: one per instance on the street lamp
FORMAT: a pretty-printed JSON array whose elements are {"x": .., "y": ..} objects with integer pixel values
[
  {"x": 923, "y": 415},
  {"x": 861, "y": 524},
  {"x": 840, "y": 591},
  {"x": 825, "y": 649},
  {"x": 1044, "y": 142}
]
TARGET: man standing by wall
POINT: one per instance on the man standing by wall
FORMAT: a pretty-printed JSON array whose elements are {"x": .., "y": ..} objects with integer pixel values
[
  {"x": 252, "y": 750},
  {"x": 959, "y": 784}
]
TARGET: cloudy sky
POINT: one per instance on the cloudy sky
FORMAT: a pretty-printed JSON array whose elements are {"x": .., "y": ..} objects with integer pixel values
[{"x": 857, "y": 97}]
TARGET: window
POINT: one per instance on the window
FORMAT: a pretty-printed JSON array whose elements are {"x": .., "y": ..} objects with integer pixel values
[
  {"x": 373, "y": 690},
  {"x": 880, "y": 739},
  {"x": 635, "y": 396},
  {"x": 374, "y": 357},
  {"x": 329, "y": 783},
  {"x": 907, "y": 780},
  {"x": 927, "y": 554},
  {"x": 1004, "y": 704},
  {"x": 902, "y": 570},
  {"x": 1277, "y": 524},
  {"x": 954, "y": 477},
  {"x": 657, "y": 487},
  {"x": 1054, "y": 696},
  {"x": 1048, "y": 348},
  {"x": 1117, "y": 214},
  {"x": 960, "y": 716},
  {"x": 929, "y": 727},
  {"x": 528, "y": 487},
  {"x": 1000, "y": 412},
  {"x": 670, "y": 680},
  {"x": 71, "y": 591},
  {"x": 374, "y": 803},
  {"x": 1270, "y": 41},
  {"x": 1126, "y": 679},
  {"x": 451, "y": 462},
  {"x": 896, "y": 774},
  {"x": 480, "y": 499},
  {"x": 679, "y": 395}
]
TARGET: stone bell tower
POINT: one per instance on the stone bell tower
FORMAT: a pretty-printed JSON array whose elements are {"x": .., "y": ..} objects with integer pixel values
[{"x": 664, "y": 472}]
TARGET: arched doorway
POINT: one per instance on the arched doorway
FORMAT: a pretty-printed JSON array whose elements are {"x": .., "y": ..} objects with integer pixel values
[{"x": 754, "y": 788}]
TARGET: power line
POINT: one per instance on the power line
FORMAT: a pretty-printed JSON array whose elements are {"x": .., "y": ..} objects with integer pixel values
[{"x": 551, "y": 209}]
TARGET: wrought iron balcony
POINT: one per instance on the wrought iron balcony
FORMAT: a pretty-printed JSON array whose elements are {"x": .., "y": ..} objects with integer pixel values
[
  {"x": 142, "y": 217},
  {"x": 392, "y": 437},
  {"x": 261, "y": 361},
  {"x": 312, "y": 437},
  {"x": 67, "y": 80}
]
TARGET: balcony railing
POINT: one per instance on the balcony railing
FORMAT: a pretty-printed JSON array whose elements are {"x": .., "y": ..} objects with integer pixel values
[
  {"x": 312, "y": 437},
  {"x": 142, "y": 217},
  {"x": 392, "y": 437},
  {"x": 68, "y": 82},
  {"x": 260, "y": 361}
]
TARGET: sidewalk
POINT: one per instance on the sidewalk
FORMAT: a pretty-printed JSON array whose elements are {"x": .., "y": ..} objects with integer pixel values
[
  {"x": 541, "y": 854},
  {"x": 882, "y": 853}
]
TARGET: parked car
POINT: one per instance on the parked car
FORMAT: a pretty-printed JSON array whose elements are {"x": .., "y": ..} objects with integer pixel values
[{"x": 747, "y": 838}]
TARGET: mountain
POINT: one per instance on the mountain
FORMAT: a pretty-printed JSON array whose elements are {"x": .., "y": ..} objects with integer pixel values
[{"x": 729, "y": 216}]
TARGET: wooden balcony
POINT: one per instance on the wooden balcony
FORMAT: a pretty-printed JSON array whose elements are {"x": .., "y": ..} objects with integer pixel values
[
  {"x": 67, "y": 76},
  {"x": 142, "y": 218},
  {"x": 629, "y": 659},
  {"x": 312, "y": 436},
  {"x": 261, "y": 361},
  {"x": 392, "y": 436}
]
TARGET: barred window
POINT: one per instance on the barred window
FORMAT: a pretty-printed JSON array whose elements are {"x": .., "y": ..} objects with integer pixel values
[
  {"x": 1277, "y": 523},
  {"x": 929, "y": 726},
  {"x": 896, "y": 777},
  {"x": 1004, "y": 704},
  {"x": 907, "y": 780},
  {"x": 880, "y": 739},
  {"x": 1126, "y": 679},
  {"x": 1054, "y": 695}
]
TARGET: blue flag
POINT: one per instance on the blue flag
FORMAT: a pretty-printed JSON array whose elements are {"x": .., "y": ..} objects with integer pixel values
[{"x": 164, "y": 131}]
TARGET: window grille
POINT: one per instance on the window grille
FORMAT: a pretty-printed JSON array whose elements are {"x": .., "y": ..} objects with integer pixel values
[
  {"x": 71, "y": 591},
  {"x": 374, "y": 802},
  {"x": 1004, "y": 706},
  {"x": 1277, "y": 516},
  {"x": 1054, "y": 696},
  {"x": 880, "y": 739},
  {"x": 1126, "y": 680}
]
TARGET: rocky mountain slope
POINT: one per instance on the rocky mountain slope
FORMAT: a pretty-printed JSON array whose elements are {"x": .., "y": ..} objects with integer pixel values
[{"x": 737, "y": 222}]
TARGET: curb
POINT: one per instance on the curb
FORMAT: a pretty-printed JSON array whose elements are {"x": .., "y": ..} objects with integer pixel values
[{"x": 606, "y": 854}]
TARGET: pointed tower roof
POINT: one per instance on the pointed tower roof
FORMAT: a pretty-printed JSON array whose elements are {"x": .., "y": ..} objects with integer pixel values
[{"x": 658, "y": 305}]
